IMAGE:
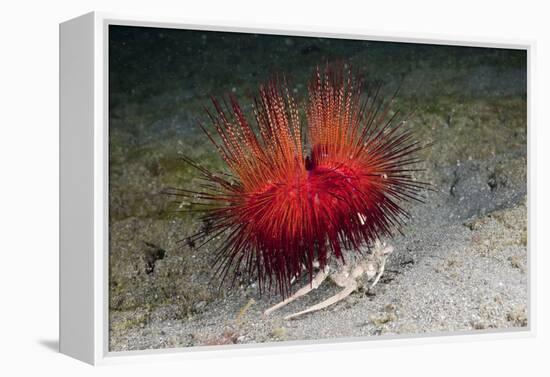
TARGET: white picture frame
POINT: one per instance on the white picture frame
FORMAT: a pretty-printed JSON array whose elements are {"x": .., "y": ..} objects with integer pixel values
[{"x": 84, "y": 223}]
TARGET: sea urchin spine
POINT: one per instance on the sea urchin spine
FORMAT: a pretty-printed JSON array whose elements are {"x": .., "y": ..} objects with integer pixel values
[{"x": 282, "y": 209}]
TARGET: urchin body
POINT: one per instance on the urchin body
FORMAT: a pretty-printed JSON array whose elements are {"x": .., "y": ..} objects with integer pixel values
[{"x": 292, "y": 200}]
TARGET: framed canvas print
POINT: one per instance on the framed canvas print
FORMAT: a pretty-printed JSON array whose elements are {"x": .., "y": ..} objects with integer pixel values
[{"x": 234, "y": 189}]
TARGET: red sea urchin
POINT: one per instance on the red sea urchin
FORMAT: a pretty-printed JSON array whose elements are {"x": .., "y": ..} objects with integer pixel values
[{"x": 282, "y": 209}]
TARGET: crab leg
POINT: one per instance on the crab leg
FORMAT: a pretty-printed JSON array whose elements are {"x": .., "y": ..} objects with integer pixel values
[
  {"x": 380, "y": 273},
  {"x": 315, "y": 282},
  {"x": 349, "y": 288}
]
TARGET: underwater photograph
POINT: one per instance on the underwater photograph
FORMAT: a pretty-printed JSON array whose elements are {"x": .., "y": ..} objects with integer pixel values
[{"x": 269, "y": 188}]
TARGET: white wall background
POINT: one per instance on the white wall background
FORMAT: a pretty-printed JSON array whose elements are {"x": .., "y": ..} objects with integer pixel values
[{"x": 29, "y": 183}]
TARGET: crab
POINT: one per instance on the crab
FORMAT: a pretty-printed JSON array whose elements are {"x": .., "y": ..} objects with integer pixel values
[{"x": 345, "y": 275}]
